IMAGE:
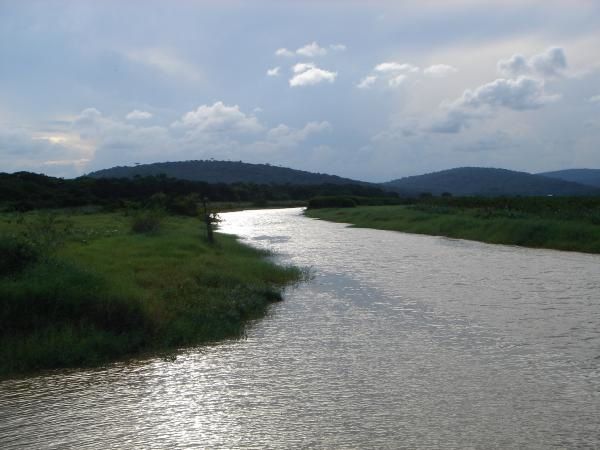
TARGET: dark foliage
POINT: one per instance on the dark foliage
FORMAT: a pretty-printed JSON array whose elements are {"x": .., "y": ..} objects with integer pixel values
[
  {"x": 24, "y": 191},
  {"x": 146, "y": 220},
  {"x": 16, "y": 254},
  {"x": 332, "y": 202},
  {"x": 562, "y": 208},
  {"x": 347, "y": 201}
]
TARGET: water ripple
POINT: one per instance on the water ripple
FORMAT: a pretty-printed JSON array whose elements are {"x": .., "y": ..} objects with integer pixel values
[{"x": 397, "y": 341}]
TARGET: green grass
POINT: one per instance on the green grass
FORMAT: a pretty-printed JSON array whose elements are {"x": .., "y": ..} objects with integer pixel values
[
  {"x": 106, "y": 293},
  {"x": 496, "y": 227}
]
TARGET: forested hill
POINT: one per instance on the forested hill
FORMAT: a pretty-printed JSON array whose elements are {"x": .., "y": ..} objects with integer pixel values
[
  {"x": 224, "y": 172},
  {"x": 488, "y": 182},
  {"x": 590, "y": 177}
]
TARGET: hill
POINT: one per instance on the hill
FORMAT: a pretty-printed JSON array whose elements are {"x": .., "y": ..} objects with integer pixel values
[
  {"x": 488, "y": 182},
  {"x": 224, "y": 172},
  {"x": 590, "y": 177}
]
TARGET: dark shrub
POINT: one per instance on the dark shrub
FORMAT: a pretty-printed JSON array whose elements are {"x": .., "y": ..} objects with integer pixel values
[
  {"x": 332, "y": 202},
  {"x": 146, "y": 221},
  {"x": 16, "y": 254},
  {"x": 185, "y": 206}
]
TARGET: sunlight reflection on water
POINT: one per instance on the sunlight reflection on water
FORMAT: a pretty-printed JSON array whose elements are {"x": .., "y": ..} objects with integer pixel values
[{"x": 398, "y": 340}]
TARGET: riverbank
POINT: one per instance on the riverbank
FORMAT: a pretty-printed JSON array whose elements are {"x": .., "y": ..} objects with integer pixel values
[
  {"x": 492, "y": 225},
  {"x": 84, "y": 289}
]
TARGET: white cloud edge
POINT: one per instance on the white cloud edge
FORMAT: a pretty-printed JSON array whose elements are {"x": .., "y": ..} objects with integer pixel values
[{"x": 137, "y": 114}]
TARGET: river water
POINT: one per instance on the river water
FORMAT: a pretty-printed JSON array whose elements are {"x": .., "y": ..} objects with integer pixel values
[{"x": 396, "y": 341}]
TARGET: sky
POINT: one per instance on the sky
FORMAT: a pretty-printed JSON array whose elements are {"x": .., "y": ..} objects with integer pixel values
[{"x": 372, "y": 90}]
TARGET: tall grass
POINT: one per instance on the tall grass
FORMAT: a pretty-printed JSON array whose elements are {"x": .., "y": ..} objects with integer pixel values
[
  {"x": 492, "y": 225},
  {"x": 108, "y": 293}
]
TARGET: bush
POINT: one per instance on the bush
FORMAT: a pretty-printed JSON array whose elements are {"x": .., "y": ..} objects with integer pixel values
[
  {"x": 16, "y": 255},
  {"x": 332, "y": 202},
  {"x": 54, "y": 293},
  {"x": 185, "y": 206},
  {"x": 46, "y": 232},
  {"x": 147, "y": 221}
]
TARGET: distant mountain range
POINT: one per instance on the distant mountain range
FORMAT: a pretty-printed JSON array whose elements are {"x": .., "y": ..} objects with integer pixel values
[
  {"x": 590, "y": 177},
  {"x": 459, "y": 181},
  {"x": 489, "y": 182}
]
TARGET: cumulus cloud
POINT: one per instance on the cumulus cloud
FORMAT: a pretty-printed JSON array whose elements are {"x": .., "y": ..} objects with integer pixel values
[
  {"x": 453, "y": 121},
  {"x": 136, "y": 114},
  {"x": 220, "y": 118},
  {"x": 397, "y": 80},
  {"x": 439, "y": 70},
  {"x": 311, "y": 50},
  {"x": 274, "y": 72},
  {"x": 519, "y": 94},
  {"x": 367, "y": 82},
  {"x": 287, "y": 136},
  {"x": 218, "y": 130},
  {"x": 392, "y": 73},
  {"x": 284, "y": 52},
  {"x": 550, "y": 63},
  {"x": 302, "y": 67},
  {"x": 308, "y": 74},
  {"x": 387, "y": 67}
]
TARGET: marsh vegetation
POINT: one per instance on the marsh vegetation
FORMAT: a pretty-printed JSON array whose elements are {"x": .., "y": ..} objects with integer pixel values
[
  {"x": 546, "y": 222},
  {"x": 81, "y": 289}
]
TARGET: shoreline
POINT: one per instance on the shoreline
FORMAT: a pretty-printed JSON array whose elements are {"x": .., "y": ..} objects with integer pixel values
[
  {"x": 107, "y": 293},
  {"x": 530, "y": 232}
]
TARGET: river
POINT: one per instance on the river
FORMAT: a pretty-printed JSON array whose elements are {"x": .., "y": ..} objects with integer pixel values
[{"x": 396, "y": 341}]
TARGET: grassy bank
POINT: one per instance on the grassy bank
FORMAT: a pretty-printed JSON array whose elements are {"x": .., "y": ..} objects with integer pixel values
[
  {"x": 533, "y": 228},
  {"x": 83, "y": 289}
]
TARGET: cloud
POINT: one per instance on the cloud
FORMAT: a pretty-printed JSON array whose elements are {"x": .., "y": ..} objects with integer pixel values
[
  {"x": 274, "y": 72},
  {"x": 288, "y": 137},
  {"x": 514, "y": 66},
  {"x": 397, "y": 80},
  {"x": 550, "y": 63},
  {"x": 309, "y": 74},
  {"x": 218, "y": 130},
  {"x": 394, "y": 73},
  {"x": 440, "y": 70},
  {"x": 284, "y": 52},
  {"x": 594, "y": 99},
  {"x": 53, "y": 154},
  {"x": 367, "y": 82},
  {"x": 136, "y": 114},
  {"x": 338, "y": 47},
  {"x": 453, "y": 121},
  {"x": 167, "y": 62},
  {"x": 219, "y": 118},
  {"x": 387, "y": 67},
  {"x": 311, "y": 50},
  {"x": 519, "y": 95},
  {"x": 301, "y": 67}
]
